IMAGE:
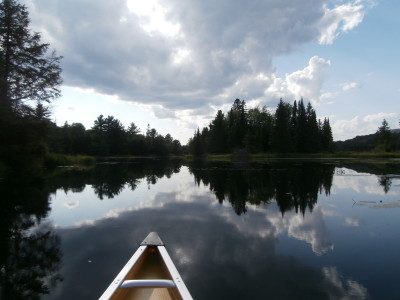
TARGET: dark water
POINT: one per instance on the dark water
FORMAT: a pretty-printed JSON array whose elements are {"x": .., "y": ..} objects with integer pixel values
[{"x": 279, "y": 230}]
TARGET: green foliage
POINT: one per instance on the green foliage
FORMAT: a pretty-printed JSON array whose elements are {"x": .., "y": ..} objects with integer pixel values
[
  {"x": 293, "y": 128},
  {"x": 384, "y": 137},
  {"x": 259, "y": 124},
  {"x": 29, "y": 76},
  {"x": 196, "y": 144},
  {"x": 108, "y": 137},
  {"x": 217, "y": 135},
  {"x": 28, "y": 72},
  {"x": 281, "y": 135},
  {"x": 237, "y": 124}
]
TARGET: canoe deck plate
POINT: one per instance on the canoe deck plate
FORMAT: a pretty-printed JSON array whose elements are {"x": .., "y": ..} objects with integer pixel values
[{"x": 152, "y": 240}]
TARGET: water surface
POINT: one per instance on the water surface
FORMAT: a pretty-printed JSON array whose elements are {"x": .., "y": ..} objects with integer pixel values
[{"x": 279, "y": 230}]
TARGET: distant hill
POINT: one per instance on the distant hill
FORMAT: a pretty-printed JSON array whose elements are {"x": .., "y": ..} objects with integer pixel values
[{"x": 366, "y": 142}]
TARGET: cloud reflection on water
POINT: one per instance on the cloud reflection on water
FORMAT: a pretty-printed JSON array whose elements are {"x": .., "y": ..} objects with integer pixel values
[{"x": 229, "y": 253}]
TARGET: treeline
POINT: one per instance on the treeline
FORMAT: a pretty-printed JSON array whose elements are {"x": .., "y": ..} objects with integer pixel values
[
  {"x": 108, "y": 137},
  {"x": 26, "y": 141},
  {"x": 383, "y": 140},
  {"x": 293, "y": 128}
]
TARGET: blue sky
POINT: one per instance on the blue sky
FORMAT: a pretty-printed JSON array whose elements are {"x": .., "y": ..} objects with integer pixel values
[{"x": 173, "y": 64}]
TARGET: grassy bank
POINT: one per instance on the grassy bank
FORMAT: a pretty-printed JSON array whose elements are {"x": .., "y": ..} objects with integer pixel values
[
  {"x": 56, "y": 160},
  {"x": 271, "y": 156}
]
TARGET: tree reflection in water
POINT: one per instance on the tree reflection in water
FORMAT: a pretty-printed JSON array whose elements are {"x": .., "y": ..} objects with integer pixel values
[
  {"x": 385, "y": 171},
  {"x": 110, "y": 179},
  {"x": 293, "y": 186},
  {"x": 30, "y": 256}
]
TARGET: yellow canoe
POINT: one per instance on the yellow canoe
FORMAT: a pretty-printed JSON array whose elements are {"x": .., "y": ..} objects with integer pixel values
[{"x": 149, "y": 274}]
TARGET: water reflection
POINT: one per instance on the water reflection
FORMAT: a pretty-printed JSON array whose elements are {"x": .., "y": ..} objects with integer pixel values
[
  {"x": 283, "y": 230},
  {"x": 217, "y": 258},
  {"x": 292, "y": 186},
  {"x": 30, "y": 254},
  {"x": 384, "y": 171},
  {"x": 110, "y": 179}
]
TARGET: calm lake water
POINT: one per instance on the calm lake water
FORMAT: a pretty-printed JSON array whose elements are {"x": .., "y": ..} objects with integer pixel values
[{"x": 278, "y": 230}]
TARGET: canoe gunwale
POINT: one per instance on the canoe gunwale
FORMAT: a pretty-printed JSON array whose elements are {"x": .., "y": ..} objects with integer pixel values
[
  {"x": 175, "y": 274},
  {"x": 117, "y": 282},
  {"x": 151, "y": 241}
]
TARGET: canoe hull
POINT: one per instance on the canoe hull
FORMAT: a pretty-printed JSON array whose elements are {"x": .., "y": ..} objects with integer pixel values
[{"x": 149, "y": 274}]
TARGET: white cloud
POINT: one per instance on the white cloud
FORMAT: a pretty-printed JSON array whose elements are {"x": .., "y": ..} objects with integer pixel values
[
  {"x": 341, "y": 19},
  {"x": 192, "y": 56},
  {"x": 152, "y": 17},
  {"x": 379, "y": 117},
  {"x": 306, "y": 83},
  {"x": 349, "y": 86}
]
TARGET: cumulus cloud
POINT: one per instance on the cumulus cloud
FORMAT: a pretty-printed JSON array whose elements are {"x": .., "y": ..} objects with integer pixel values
[
  {"x": 262, "y": 89},
  {"x": 341, "y": 19},
  {"x": 191, "y": 56},
  {"x": 307, "y": 83}
]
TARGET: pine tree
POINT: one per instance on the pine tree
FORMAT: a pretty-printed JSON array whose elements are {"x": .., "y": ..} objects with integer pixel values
[
  {"x": 281, "y": 138},
  {"x": 301, "y": 135},
  {"x": 384, "y": 136},
  {"x": 326, "y": 136},
  {"x": 27, "y": 71},
  {"x": 196, "y": 145},
  {"x": 294, "y": 125},
  {"x": 237, "y": 124},
  {"x": 312, "y": 137},
  {"x": 29, "y": 77},
  {"x": 217, "y": 134}
]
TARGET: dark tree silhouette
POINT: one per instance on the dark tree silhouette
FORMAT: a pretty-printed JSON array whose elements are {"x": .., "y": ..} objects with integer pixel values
[
  {"x": 384, "y": 137},
  {"x": 281, "y": 138},
  {"x": 27, "y": 71},
  {"x": 29, "y": 77}
]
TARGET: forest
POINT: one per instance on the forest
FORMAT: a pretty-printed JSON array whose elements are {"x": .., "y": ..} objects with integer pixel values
[
  {"x": 383, "y": 140},
  {"x": 292, "y": 128},
  {"x": 108, "y": 137}
]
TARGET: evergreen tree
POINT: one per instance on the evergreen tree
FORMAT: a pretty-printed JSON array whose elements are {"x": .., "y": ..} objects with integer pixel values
[
  {"x": 196, "y": 144},
  {"x": 384, "y": 137},
  {"x": 301, "y": 130},
  {"x": 237, "y": 124},
  {"x": 217, "y": 134},
  {"x": 281, "y": 138},
  {"x": 294, "y": 125},
  {"x": 259, "y": 122},
  {"x": 109, "y": 136},
  {"x": 28, "y": 77},
  {"x": 326, "y": 136},
  {"x": 27, "y": 71},
  {"x": 133, "y": 129},
  {"x": 312, "y": 137}
]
